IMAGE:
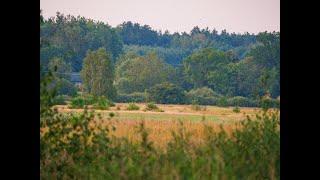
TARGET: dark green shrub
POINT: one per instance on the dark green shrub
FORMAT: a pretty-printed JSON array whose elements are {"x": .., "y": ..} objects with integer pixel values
[
  {"x": 132, "y": 106},
  {"x": 111, "y": 114},
  {"x": 77, "y": 103},
  {"x": 60, "y": 100},
  {"x": 65, "y": 87},
  {"x": 203, "y": 96},
  {"x": 110, "y": 103},
  {"x": 97, "y": 102},
  {"x": 266, "y": 103},
  {"x": 101, "y": 103},
  {"x": 241, "y": 101},
  {"x": 166, "y": 93},
  {"x": 236, "y": 109},
  {"x": 222, "y": 102},
  {"x": 153, "y": 107},
  {"x": 89, "y": 99}
]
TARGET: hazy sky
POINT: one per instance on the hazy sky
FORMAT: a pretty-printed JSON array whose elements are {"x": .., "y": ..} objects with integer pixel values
[{"x": 176, "y": 15}]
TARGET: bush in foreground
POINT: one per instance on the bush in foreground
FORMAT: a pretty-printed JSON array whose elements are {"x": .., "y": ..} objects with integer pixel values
[{"x": 250, "y": 152}]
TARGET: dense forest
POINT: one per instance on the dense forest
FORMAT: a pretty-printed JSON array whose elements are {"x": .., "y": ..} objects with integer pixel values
[{"x": 135, "y": 63}]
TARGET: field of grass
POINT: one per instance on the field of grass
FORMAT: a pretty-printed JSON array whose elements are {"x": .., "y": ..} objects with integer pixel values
[
  {"x": 160, "y": 125},
  {"x": 178, "y": 143},
  {"x": 174, "y": 112}
]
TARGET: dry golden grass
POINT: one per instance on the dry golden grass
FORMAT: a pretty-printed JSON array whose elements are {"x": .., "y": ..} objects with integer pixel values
[
  {"x": 160, "y": 132},
  {"x": 160, "y": 125}
]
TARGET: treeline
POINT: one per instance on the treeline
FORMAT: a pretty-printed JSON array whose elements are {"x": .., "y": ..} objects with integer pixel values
[
  {"x": 143, "y": 35},
  {"x": 69, "y": 38},
  {"x": 132, "y": 62},
  {"x": 73, "y": 36}
]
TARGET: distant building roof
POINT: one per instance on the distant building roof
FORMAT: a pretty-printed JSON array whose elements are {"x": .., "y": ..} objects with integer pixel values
[{"x": 76, "y": 78}]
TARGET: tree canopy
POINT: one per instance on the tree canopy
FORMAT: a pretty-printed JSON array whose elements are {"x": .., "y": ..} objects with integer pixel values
[
  {"x": 133, "y": 58},
  {"x": 98, "y": 74}
]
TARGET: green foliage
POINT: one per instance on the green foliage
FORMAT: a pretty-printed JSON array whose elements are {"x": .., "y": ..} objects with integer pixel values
[
  {"x": 97, "y": 102},
  {"x": 61, "y": 73},
  {"x": 60, "y": 99},
  {"x": 60, "y": 68},
  {"x": 77, "y": 103},
  {"x": 138, "y": 73},
  {"x": 166, "y": 93},
  {"x": 98, "y": 74},
  {"x": 65, "y": 87},
  {"x": 135, "y": 33},
  {"x": 133, "y": 97},
  {"x": 172, "y": 56},
  {"x": 111, "y": 114},
  {"x": 199, "y": 65},
  {"x": 132, "y": 107},
  {"x": 256, "y": 73},
  {"x": 153, "y": 107},
  {"x": 70, "y": 37},
  {"x": 101, "y": 103},
  {"x": 253, "y": 152},
  {"x": 241, "y": 101},
  {"x": 222, "y": 102},
  {"x": 267, "y": 103},
  {"x": 231, "y": 64},
  {"x": 204, "y": 96},
  {"x": 46, "y": 94}
]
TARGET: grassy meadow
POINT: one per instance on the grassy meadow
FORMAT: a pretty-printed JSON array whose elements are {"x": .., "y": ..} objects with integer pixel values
[{"x": 161, "y": 125}]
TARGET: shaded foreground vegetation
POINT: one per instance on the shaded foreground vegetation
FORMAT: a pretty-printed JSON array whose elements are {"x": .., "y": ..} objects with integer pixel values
[
  {"x": 72, "y": 149},
  {"x": 76, "y": 146}
]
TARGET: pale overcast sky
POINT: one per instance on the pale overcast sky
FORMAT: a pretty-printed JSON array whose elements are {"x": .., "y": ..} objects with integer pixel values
[{"x": 176, "y": 15}]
